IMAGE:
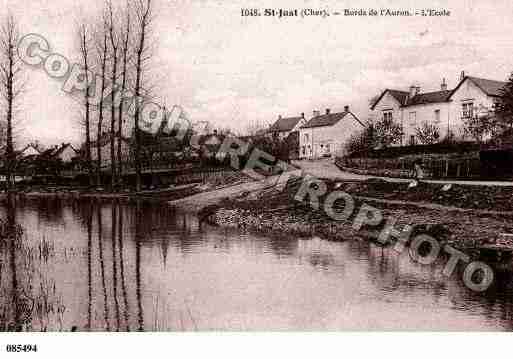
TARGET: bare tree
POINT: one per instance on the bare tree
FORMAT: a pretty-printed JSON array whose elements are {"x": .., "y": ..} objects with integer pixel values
[
  {"x": 256, "y": 128},
  {"x": 103, "y": 64},
  {"x": 125, "y": 50},
  {"x": 11, "y": 87},
  {"x": 113, "y": 36},
  {"x": 427, "y": 133},
  {"x": 143, "y": 11},
  {"x": 387, "y": 132},
  {"x": 85, "y": 54}
]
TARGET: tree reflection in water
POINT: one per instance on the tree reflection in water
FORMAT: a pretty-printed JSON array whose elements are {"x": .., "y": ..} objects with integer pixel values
[{"x": 163, "y": 270}]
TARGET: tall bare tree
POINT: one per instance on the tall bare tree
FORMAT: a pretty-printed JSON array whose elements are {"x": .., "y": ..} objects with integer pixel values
[
  {"x": 125, "y": 54},
  {"x": 11, "y": 87},
  {"x": 143, "y": 10},
  {"x": 113, "y": 36},
  {"x": 85, "y": 54},
  {"x": 103, "y": 66}
]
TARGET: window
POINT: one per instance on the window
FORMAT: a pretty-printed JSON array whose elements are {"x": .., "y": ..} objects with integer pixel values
[
  {"x": 437, "y": 116},
  {"x": 387, "y": 115},
  {"x": 306, "y": 137},
  {"x": 496, "y": 104},
  {"x": 413, "y": 119},
  {"x": 328, "y": 147},
  {"x": 304, "y": 150},
  {"x": 468, "y": 110},
  {"x": 412, "y": 140}
]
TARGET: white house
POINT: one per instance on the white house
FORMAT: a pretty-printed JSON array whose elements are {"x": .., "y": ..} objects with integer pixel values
[
  {"x": 447, "y": 109},
  {"x": 284, "y": 126},
  {"x": 66, "y": 152},
  {"x": 411, "y": 108},
  {"x": 473, "y": 97},
  {"x": 29, "y": 151},
  {"x": 325, "y": 135}
]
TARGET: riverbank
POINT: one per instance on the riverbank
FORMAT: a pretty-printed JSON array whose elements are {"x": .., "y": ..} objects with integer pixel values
[
  {"x": 169, "y": 193},
  {"x": 463, "y": 216}
]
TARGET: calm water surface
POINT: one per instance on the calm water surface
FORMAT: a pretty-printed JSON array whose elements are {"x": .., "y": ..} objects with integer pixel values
[{"x": 109, "y": 266}]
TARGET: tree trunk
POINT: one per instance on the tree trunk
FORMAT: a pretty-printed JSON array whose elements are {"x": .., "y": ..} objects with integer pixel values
[
  {"x": 144, "y": 23},
  {"x": 100, "y": 115},
  {"x": 123, "y": 87},
  {"x": 85, "y": 55}
]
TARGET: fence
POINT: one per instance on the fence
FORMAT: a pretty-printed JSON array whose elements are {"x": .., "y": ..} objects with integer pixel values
[{"x": 465, "y": 166}]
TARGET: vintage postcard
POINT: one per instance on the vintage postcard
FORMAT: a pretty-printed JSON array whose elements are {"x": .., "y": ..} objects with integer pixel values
[{"x": 201, "y": 166}]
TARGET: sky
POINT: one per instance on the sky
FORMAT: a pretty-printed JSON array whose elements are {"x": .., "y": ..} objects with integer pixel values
[{"x": 235, "y": 71}]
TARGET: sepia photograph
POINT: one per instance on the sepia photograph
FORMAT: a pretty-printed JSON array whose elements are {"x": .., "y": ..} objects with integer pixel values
[{"x": 208, "y": 166}]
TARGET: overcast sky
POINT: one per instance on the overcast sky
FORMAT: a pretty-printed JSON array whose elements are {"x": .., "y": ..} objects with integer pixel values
[{"x": 232, "y": 70}]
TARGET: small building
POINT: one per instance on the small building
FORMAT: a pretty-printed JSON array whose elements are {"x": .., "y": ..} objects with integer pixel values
[
  {"x": 29, "y": 151},
  {"x": 325, "y": 135},
  {"x": 210, "y": 144},
  {"x": 284, "y": 126},
  {"x": 66, "y": 153}
]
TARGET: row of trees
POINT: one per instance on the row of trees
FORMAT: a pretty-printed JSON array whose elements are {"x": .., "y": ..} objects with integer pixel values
[{"x": 119, "y": 51}]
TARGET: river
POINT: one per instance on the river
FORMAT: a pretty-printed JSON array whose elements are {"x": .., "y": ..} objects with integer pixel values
[{"x": 110, "y": 266}]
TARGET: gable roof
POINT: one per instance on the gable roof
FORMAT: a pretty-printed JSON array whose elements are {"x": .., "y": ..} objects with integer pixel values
[
  {"x": 429, "y": 97},
  {"x": 489, "y": 87},
  {"x": 30, "y": 150},
  {"x": 285, "y": 124},
  {"x": 328, "y": 119},
  {"x": 400, "y": 96},
  {"x": 63, "y": 147}
]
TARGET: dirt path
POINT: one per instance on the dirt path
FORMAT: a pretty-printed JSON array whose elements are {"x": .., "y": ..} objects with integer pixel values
[
  {"x": 325, "y": 168},
  {"x": 198, "y": 201}
]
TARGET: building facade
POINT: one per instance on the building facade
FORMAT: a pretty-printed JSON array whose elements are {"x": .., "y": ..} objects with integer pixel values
[
  {"x": 284, "y": 126},
  {"x": 325, "y": 135},
  {"x": 447, "y": 109}
]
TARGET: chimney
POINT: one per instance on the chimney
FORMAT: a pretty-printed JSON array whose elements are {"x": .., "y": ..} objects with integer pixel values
[
  {"x": 346, "y": 108},
  {"x": 444, "y": 85},
  {"x": 462, "y": 76},
  {"x": 316, "y": 113},
  {"x": 302, "y": 115},
  {"x": 327, "y": 111},
  {"x": 414, "y": 90},
  {"x": 279, "y": 117}
]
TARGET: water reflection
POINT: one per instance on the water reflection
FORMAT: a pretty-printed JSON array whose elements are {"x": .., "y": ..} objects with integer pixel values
[{"x": 107, "y": 265}]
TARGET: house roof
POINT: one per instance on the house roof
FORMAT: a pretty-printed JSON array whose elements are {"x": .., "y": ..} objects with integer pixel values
[
  {"x": 61, "y": 149},
  {"x": 489, "y": 87},
  {"x": 285, "y": 124},
  {"x": 328, "y": 119},
  {"x": 30, "y": 150},
  {"x": 400, "y": 96},
  {"x": 212, "y": 139},
  {"x": 429, "y": 97}
]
